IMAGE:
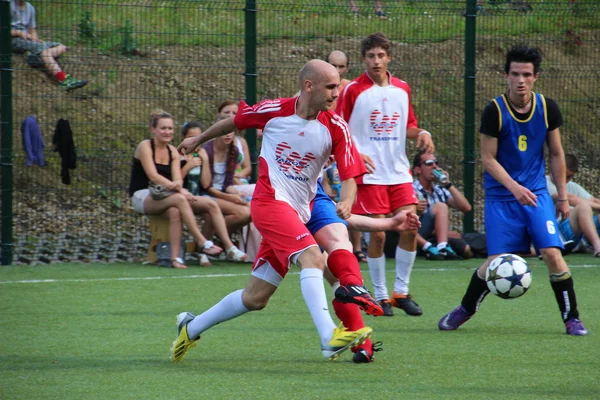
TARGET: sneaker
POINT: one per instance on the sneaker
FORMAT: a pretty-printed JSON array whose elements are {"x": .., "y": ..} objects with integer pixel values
[
  {"x": 236, "y": 255},
  {"x": 449, "y": 254},
  {"x": 406, "y": 303},
  {"x": 183, "y": 343},
  {"x": 342, "y": 339},
  {"x": 71, "y": 83},
  {"x": 432, "y": 253},
  {"x": 575, "y": 327},
  {"x": 568, "y": 247},
  {"x": 363, "y": 356},
  {"x": 360, "y": 296},
  {"x": 454, "y": 319},
  {"x": 386, "y": 305}
]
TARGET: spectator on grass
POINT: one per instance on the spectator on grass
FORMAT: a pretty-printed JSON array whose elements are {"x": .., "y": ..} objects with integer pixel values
[
  {"x": 156, "y": 161},
  {"x": 582, "y": 222},
  {"x": 435, "y": 198},
  {"x": 206, "y": 205},
  {"x": 243, "y": 169},
  {"x": 25, "y": 39},
  {"x": 222, "y": 160},
  {"x": 378, "y": 9}
]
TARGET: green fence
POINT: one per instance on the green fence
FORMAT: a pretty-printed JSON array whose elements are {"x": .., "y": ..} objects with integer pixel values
[{"x": 187, "y": 56}]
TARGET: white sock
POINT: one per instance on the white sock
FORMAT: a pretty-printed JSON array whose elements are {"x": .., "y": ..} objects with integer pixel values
[
  {"x": 404, "y": 263},
  {"x": 334, "y": 287},
  {"x": 377, "y": 270},
  {"x": 313, "y": 291},
  {"x": 441, "y": 245},
  {"x": 231, "y": 306},
  {"x": 427, "y": 245}
]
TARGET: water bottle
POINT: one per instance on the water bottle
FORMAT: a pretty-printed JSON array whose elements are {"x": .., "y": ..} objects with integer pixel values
[
  {"x": 193, "y": 179},
  {"x": 440, "y": 177}
]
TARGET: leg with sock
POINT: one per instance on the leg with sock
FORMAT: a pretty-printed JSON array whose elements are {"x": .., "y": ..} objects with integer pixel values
[
  {"x": 476, "y": 292},
  {"x": 401, "y": 297},
  {"x": 564, "y": 292},
  {"x": 231, "y": 306}
]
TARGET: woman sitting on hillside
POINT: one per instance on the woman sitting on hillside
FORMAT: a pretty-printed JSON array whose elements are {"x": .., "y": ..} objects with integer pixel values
[
  {"x": 156, "y": 161},
  {"x": 222, "y": 158},
  {"x": 196, "y": 177}
]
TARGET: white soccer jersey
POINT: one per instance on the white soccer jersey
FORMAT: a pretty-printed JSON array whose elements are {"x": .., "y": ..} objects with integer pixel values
[
  {"x": 378, "y": 117},
  {"x": 294, "y": 150}
]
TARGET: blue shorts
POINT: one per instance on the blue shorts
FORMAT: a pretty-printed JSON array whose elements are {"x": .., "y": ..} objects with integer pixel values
[
  {"x": 323, "y": 212},
  {"x": 564, "y": 227},
  {"x": 511, "y": 227}
]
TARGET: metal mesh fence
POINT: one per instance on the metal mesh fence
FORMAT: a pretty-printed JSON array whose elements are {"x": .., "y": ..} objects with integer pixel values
[{"x": 187, "y": 56}]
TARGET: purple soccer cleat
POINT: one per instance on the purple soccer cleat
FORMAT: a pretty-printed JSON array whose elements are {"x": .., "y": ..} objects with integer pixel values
[
  {"x": 454, "y": 319},
  {"x": 575, "y": 327}
]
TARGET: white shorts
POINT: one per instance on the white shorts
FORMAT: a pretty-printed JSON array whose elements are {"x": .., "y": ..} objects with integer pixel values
[{"x": 138, "y": 199}]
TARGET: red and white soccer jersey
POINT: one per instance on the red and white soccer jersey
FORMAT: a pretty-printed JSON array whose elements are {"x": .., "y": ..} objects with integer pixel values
[
  {"x": 294, "y": 151},
  {"x": 378, "y": 117}
]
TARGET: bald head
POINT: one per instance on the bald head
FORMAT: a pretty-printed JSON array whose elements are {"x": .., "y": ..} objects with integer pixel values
[
  {"x": 337, "y": 57},
  {"x": 315, "y": 71}
]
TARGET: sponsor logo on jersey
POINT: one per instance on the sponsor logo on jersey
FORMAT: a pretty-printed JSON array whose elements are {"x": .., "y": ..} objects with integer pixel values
[
  {"x": 381, "y": 122},
  {"x": 291, "y": 161}
]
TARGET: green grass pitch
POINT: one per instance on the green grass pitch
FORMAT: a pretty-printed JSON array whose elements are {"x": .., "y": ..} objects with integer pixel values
[{"x": 95, "y": 331}]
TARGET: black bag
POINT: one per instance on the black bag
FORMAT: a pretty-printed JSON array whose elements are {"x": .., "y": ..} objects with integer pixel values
[
  {"x": 163, "y": 253},
  {"x": 477, "y": 242}
]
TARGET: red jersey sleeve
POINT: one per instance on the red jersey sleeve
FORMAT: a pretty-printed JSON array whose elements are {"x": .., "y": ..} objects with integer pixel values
[
  {"x": 258, "y": 115},
  {"x": 411, "y": 121},
  {"x": 349, "y": 161}
]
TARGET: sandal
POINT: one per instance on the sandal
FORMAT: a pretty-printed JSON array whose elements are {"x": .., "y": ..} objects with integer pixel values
[
  {"x": 236, "y": 255},
  {"x": 360, "y": 256},
  {"x": 203, "y": 260},
  {"x": 177, "y": 263},
  {"x": 210, "y": 249}
]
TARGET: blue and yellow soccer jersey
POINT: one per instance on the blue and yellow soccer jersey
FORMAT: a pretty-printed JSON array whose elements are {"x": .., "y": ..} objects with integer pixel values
[{"x": 520, "y": 148}]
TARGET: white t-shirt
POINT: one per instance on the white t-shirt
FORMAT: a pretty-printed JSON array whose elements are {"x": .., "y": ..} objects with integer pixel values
[
  {"x": 294, "y": 151},
  {"x": 219, "y": 169},
  {"x": 378, "y": 117},
  {"x": 572, "y": 188}
]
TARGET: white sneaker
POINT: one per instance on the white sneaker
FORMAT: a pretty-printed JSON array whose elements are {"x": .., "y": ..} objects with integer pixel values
[{"x": 236, "y": 255}]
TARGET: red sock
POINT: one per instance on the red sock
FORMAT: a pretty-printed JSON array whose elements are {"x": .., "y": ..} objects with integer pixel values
[
  {"x": 351, "y": 317},
  {"x": 60, "y": 76},
  {"x": 344, "y": 266}
]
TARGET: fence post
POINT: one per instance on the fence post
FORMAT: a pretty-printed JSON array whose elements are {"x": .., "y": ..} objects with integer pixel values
[
  {"x": 251, "y": 76},
  {"x": 469, "y": 122},
  {"x": 6, "y": 142}
]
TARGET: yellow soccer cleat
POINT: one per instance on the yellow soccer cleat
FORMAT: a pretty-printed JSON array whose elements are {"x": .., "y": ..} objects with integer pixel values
[
  {"x": 183, "y": 343},
  {"x": 343, "y": 339}
]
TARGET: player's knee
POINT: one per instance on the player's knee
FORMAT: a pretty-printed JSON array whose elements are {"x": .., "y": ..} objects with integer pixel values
[{"x": 255, "y": 301}]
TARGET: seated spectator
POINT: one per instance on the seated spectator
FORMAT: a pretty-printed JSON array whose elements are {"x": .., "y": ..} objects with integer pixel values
[
  {"x": 195, "y": 177},
  {"x": 25, "y": 40},
  {"x": 222, "y": 160},
  {"x": 435, "y": 197},
  {"x": 582, "y": 221},
  {"x": 156, "y": 161},
  {"x": 243, "y": 168},
  {"x": 378, "y": 9}
]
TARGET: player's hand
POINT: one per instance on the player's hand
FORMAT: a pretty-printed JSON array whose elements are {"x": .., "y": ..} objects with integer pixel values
[
  {"x": 406, "y": 221},
  {"x": 368, "y": 163},
  {"x": 344, "y": 209},
  {"x": 563, "y": 209},
  {"x": 187, "y": 146},
  {"x": 524, "y": 196},
  {"x": 425, "y": 142}
]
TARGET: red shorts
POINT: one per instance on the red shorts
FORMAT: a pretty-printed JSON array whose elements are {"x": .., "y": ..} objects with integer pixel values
[
  {"x": 283, "y": 234},
  {"x": 383, "y": 199}
]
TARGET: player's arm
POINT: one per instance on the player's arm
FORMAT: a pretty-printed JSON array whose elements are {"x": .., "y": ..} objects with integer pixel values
[
  {"x": 559, "y": 171},
  {"x": 403, "y": 221},
  {"x": 347, "y": 198},
  {"x": 220, "y": 128},
  {"x": 424, "y": 140},
  {"x": 489, "y": 149}
]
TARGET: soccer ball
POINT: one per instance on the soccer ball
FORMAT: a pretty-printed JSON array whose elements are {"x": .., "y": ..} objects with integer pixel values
[{"x": 508, "y": 276}]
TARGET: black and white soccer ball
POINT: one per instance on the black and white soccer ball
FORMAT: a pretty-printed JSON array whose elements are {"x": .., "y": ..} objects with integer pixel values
[{"x": 508, "y": 276}]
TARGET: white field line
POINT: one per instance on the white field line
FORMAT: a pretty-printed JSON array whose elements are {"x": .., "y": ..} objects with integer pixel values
[{"x": 154, "y": 278}]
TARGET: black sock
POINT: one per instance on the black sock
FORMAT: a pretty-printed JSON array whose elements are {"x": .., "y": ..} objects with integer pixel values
[
  {"x": 565, "y": 297},
  {"x": 476, "y": 292}
]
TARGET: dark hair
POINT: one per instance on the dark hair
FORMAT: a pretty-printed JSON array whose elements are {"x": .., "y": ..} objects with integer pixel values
[
  {"x": 157, "y": 116},
  {"x": 523, "y": 54},
  {"x": 377, "y": 39},
  {"x": 191, "y": 125},
  {"x": 417, "y": 159},
  {"x": 572, "y": 162},
  {"x": 225, "y": 104}
]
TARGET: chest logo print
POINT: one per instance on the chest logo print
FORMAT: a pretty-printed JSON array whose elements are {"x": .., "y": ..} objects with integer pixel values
[
  {"x": 381, "y": 122},
  {"x": 288, "y": 159}
]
